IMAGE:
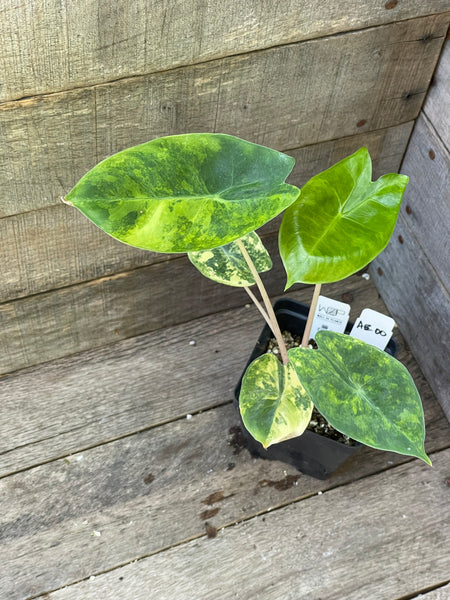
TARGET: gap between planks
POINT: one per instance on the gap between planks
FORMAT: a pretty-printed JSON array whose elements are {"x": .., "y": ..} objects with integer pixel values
[{"x": 440, "y": 591}]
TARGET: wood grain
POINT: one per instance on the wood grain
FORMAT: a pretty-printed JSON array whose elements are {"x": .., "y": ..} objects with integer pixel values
[
  {"x": 56, "y": 246},
  {"x": 420, "y": 305},
  {"x": 46, "y": 47},
  {"x": 148, "y": 492},
  {"x": 283, "y": 97},
  {"x": 379, "y": 523},
  {"x": 426, "y": 203},
  {"x": 131, "y": 377},
  {"x": 438, "y": 100},
  {"x": 108, "y": 503},
  {"x": 415, "y": 281},
  {"x": 61, "y": 322}
]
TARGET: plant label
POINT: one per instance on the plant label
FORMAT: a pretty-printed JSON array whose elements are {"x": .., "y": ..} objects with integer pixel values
[
  {"x": 374, "y": 328},
  {"x": 330, "y": 314}
]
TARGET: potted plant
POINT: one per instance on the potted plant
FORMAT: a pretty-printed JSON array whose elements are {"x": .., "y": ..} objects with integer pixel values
[{"x": 205, "y": 195}]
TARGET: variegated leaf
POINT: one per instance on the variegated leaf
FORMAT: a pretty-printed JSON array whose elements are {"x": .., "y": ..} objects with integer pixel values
[
  {"x": 274, "y": 405},
  {"x": 363, "y": 392},
  {"x": 227, "y": 265},
  {"x": 186, "y": 193}
]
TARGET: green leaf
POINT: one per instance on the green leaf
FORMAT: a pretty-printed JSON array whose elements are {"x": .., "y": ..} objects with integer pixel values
[
  {"x": 227, "y": 265},
  {"x": 187, "y": 192},
  {"x": 274, "y": 405},
  {"x": 341, "y": 221},
  {"x": 363, "y": 392}
]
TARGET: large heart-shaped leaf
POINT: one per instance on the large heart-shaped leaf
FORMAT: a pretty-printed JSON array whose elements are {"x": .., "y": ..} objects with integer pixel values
[
  {"x": 187, "y": 192},
  {"x": 226, "y": 264},
  {"x": 274, "y": 405},
  {"x": 363, "y": 392},
  {"x": 341, "y": 221}
]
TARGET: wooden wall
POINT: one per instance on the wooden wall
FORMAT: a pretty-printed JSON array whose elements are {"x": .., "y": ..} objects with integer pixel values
[
  {"x": 413, "y": 273},
  {"x": 82, "y": 80}
]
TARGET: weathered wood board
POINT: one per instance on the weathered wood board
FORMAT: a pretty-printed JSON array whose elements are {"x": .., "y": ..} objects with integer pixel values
[
  {"x": 301, "y": 551},
  {"x": 83, "y": 388},
  {"x": 105, "y": 486},
  {"x": 419, "y": 303},
  {"x": 148, "y": 492},
  {"x": 416, "y": 269},
  {"x": 56, "y": 246},
  {"x": 151, "y": 488},
  {"x": 72, "y": 319},
  {"x": 437, "y": 106},
  {"x": 426, "y": 204},
  {"x": 284, "y": 97},
  {"x": 46, "y": 48}
]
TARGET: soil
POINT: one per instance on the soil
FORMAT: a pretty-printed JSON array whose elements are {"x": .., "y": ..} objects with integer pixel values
[{"x": 318, "y": 423}]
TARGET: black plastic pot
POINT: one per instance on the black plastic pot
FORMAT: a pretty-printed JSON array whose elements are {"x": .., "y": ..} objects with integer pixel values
[{"x": 310, "y": 453}]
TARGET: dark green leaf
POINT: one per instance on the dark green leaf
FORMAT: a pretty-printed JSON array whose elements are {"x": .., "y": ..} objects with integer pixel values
[
  {"x": 186, "y": 192},
  {"x": 363, "y": 392},
  {"x": 341, "y": 221}
]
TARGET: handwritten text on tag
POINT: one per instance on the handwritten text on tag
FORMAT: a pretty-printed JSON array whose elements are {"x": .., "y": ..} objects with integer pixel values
[{"x": 374, "y": 328}]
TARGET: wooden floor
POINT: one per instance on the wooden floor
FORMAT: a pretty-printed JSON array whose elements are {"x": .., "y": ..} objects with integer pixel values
[{"x": 123, "y": 476}]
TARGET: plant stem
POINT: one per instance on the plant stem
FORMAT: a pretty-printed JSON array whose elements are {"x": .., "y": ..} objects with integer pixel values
[
  {"x": 310, "y": 320},
  {"x": 273, "y": 323},
  {"x": 259, "y": 306}
]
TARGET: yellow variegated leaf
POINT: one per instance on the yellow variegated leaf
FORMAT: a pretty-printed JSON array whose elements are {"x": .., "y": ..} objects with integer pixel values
[
  {"x": 274, "y": 405},
  {"x": 227, "y": 265}
]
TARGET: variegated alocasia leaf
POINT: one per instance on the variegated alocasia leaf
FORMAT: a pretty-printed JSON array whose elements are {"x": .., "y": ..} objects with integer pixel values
[
  {"x": 227, "y": 265},
  {"x": 363, "y": 392},
  {"x": 185, "y": 193},
  {"x": 341, "y": 221},
  {"x": 274, "y": 405}
]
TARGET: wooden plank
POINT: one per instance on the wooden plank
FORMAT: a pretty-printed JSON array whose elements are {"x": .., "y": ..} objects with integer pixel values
[
  {"x": 283, "y": 97},
  {"x": 49, "y": 49},
  {"x": 438, "y": 100},
  {"x": 390, "y": 524},
  {"x": 420, "y": 305},
  {"x": 148, "y": 492},
  {"x": 441, "y": 593},
  {"x": 426, "y": 206},
  {"x": 56, "y": 246},
  {"x": 83, "y": 388},
  {"x": 68, "y": 320}
]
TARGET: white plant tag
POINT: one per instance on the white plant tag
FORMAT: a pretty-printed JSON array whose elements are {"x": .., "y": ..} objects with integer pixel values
[
  {"x": 374, "y": 328},
  {"x": 330, "y": 314}
]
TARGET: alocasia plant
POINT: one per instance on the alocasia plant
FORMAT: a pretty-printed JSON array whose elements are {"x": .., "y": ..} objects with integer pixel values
[{"x": 206, "y": 194}]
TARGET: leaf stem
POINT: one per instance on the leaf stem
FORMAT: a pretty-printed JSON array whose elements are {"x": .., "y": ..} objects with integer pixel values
[
  {"x": 311, "y": 313},
  {"x": 259, "y": 306},
  {"x": 273, "y": 323}
]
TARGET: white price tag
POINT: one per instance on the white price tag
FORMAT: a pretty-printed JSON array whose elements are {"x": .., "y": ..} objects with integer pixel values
[
  {"x": 330, "y": 314},
  {"x": 374, "y": 328}
]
